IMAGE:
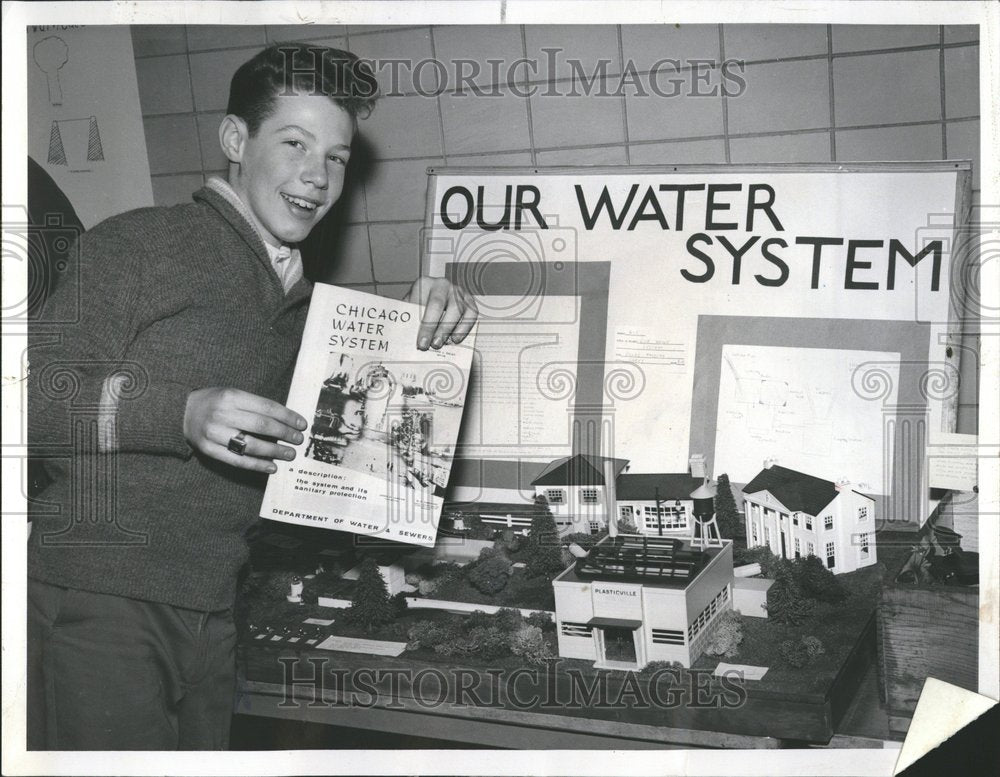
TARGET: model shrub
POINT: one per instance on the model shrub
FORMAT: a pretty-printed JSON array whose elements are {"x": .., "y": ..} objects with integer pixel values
[
  {"x": 761, "y": 554},
  {"x": 668, "y": 672},
  {"x": 625, "y": 526},
  {"x": 423, "y": 634},
  {"x": 491, "y": 573},
  {"x": 726, "y": 635},
  {"x": 427, "y": 587},
  {"x": 793, "y": 652},
  {"x": 800, "y": 652},
  {"x": 726, "y": 513},
  {"x": 773, "y": 567},
  {"x": 785, "y": 602},
  {"x": 370, "y": 605},
  {"x": 412, "y": 578},
  {"x": 541, "y": 619},
  {"x": 529, "y": 643},
  {"x": 309, "y": 593},
  {"x": 509, "y": 619},
  {"x": 508, "y": 540},
  {"x": 399, "y": 604},
  {"x": 542, "y": 553},
  {"x": 818, "y": 582},
  {"x": 813, "y": 646},
  {"x": 478, "y": 618},
  {"x": 489, "y": 641}
]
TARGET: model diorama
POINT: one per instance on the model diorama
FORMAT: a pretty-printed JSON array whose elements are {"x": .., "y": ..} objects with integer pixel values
[{"x": 609, "y": 571}]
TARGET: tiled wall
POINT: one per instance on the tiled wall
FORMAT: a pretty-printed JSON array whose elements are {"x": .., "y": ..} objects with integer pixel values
[{"x": 814, "y": 94}]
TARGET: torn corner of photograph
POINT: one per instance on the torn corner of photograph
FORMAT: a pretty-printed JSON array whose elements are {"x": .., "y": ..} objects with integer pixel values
[{"x": 942, "y": 710}]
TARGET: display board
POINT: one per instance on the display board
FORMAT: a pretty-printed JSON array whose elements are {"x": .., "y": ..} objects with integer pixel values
[{"x": 804, "y": 314}]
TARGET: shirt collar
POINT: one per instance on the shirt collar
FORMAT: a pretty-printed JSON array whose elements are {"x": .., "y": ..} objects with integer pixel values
[{"x": 285, "y": 259}]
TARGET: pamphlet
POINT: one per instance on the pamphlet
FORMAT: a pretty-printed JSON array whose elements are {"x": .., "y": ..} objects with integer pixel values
[{"x": 383, "y": 416}]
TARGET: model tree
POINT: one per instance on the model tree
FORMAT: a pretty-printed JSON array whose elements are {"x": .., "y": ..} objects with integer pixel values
[
  {"x": 371, "y": 605},
  {"x": 542, "y": 553},
  {"x": 785, "y": 600},
  {"x": 726, "y": 513},
  {"x": 818, "y": 582}
]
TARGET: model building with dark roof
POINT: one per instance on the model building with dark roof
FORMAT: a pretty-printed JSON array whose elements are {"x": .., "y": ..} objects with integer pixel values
[
  {"x": 580, "y": 491},
  {"x": 798, "y": 515},
  {"x": 584, "y": 491}
]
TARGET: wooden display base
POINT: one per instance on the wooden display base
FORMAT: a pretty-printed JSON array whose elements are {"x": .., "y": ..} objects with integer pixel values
[{"x": 695, "y": 711}]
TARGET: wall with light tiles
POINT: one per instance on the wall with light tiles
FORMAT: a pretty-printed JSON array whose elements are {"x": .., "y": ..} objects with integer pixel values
[{"x": 815, "y": 93}]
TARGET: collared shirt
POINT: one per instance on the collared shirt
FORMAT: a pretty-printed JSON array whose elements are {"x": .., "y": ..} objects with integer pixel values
[{"x": 286, "y": 260}]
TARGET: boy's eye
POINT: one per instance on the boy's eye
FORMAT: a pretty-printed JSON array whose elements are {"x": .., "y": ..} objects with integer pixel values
[
  {"x": 295, "y": 143},
  {"x": 338, "y": 159}
]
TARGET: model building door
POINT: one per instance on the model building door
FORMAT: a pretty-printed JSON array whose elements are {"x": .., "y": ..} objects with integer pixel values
[{"x": 619, "y": 645}]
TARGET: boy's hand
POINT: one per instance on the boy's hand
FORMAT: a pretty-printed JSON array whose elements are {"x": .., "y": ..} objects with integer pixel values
[
  {"x": 213, "y": 416},
  {"x": 449, "y": 311}
]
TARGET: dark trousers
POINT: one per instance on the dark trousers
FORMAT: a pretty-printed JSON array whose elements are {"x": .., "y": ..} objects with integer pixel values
[{"x": 111, "y": 673}]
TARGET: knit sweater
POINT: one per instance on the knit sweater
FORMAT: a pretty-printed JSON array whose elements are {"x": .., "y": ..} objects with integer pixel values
[{"x": 175, "y": 299}]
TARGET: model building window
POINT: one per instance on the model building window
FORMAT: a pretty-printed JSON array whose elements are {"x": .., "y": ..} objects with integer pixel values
[
  {"x": 809, "y": 523},
  {"x": 707, "y": 614},
  {"x": 665, "y": 517},
  {"x": 798, "y": 548},
  {"x": 795, "y": 519},
  {"x": 588, "y": 496},
  {"x": 595, "y": 527},
  {"x": 827, "y": 522},
  {"x": 555, "y": 496},
  {"x": 753, "y": 532},
  {"x": 811, "y": 549},
  {"x": 667, "y": 637},
  {"x": 863, "y": 544},
  {"x": 830, "y": 558},
  {"x": 767, "y": 536},
  {"x": 570, "y": 629},
  {"x": 863, "y": 513}
]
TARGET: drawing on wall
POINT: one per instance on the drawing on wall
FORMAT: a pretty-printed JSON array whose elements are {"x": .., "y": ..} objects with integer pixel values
[
  {"x": 82, "y": 138},
  {"x": 51, "y": 54},
  {"x": 798, "y": 405}
]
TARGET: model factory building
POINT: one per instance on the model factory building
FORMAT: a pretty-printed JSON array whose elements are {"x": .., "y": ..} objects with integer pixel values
[
  {"x": 636, "y": 599},
  {"x": 639, "y": 598}
]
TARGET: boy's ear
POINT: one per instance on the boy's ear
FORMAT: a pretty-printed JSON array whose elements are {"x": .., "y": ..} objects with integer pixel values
[{"x": 233, "y": 136}]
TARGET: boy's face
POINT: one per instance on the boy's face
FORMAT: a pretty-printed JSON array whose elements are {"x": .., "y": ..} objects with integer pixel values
[{"x": 291, "y": 172}]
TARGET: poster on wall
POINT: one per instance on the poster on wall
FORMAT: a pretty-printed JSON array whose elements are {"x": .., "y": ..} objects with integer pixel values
[
  {"x": 807, "y": 315},
  {"x": 84, "y": 121}
]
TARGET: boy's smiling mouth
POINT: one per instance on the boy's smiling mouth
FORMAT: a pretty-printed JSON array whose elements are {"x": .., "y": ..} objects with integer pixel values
[{"x": 301, "y": 203}]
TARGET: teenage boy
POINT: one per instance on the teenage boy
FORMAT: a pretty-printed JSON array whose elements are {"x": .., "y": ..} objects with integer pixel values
[{"x": 159, "y": 410}]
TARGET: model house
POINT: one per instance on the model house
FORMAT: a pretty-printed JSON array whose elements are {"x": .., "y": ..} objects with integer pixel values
[
  {"x": 580, "y": 491},
  {"x": 633, "y": 600},
  {"x": 657, "y": 504},
  {"x": 798, "y": 515}
]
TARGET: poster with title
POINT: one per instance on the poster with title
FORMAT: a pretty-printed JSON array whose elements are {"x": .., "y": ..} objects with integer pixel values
[
  {"x": 802, "y": 314},
  {"x": 383, "y": 421}
]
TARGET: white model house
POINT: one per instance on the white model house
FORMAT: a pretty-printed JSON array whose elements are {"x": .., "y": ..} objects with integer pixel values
[
  {"x": 798, "y": 515},
  {"x": 633, "y": 600},
  {"x": 580, "y": 491},
  {"x": 659, "y": 504}
]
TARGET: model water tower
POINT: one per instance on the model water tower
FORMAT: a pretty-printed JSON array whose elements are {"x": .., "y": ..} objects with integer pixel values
[{"x": 706, "y": 527}]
